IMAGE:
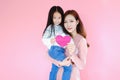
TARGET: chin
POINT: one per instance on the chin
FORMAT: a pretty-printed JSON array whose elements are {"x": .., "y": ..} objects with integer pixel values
[{"x": 69, "y": 31}]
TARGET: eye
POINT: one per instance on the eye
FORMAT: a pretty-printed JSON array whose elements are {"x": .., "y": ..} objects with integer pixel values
[
  {"x": 71, "y": 21},
  {"x": 54, "y": 17},
  {"x": 65, "y": 21},
  {"x": 59, "y": 18}
]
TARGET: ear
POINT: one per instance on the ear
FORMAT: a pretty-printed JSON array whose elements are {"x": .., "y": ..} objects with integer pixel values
[{"x": 77, "y": 21}]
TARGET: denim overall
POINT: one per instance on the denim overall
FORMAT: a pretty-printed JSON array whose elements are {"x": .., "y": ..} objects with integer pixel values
[{"x": 58, "y": 53}]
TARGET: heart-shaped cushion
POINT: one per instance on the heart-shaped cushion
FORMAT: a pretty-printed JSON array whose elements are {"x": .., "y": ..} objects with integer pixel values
[{"x": 62, "y": 40}]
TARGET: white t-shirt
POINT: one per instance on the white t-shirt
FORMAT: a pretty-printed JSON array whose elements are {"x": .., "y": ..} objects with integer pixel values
[{"x": 48, "y": 35}]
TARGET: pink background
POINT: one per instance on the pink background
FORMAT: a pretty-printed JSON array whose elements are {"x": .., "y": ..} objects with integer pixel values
[{"x": 22, "y": 54}]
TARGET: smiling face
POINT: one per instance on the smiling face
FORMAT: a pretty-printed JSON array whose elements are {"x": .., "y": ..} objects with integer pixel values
[
  {"x": 57, "y": 18},
  {"x": 70, "y": 23}
]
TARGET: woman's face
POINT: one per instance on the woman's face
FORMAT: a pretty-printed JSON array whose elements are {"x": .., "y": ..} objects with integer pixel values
[
  {"x": 70, "y": 23},
  {"x": 57, "y": 18}
]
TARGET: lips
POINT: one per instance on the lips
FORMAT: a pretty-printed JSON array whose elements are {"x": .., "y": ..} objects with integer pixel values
[{"x": 69, "y": 28}]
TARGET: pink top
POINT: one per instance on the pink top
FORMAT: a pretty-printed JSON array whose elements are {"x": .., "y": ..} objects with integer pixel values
[
  {"x": 80, "y": 54},
  {"x": 78, "y": 57}
]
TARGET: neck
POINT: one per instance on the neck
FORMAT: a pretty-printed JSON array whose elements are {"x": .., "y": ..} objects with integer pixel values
[{"x": 74, "y": 34}]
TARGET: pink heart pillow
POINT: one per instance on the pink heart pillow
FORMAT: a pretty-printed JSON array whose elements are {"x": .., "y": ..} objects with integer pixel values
[{"x": 62, "y": 40}]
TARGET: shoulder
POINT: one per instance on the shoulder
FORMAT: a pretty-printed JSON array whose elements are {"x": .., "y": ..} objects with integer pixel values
[
  {"x": 49, "y": 26},
  {"x": 80, "y": 40},
  {"x": 82, "y": 44},
  {"x": 78, "y": 37}
]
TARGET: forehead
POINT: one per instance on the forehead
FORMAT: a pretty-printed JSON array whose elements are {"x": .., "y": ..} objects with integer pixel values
[
  {"x": 69, "y": 17},
  {"x": 56, "y": 14}
]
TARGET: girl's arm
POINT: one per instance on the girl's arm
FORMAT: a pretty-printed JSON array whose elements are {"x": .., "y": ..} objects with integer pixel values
[
  {"x": 46, "y": 38},
  {"x": 57, "y": 63},
  {"x": 46, "y": 42}
]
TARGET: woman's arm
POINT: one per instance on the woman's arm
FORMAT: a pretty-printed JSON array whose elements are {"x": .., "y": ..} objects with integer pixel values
[
  {"x": 66, "y": 62},
  {"x": 80, "y": 59}
]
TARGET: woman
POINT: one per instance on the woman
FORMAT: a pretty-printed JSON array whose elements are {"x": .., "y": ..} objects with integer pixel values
[{"x": 77, "y": 51}]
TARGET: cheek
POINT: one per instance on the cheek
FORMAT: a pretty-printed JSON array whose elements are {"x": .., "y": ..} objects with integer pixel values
[
  {"x": 60, "y": 20},
  {"x": 74, "y": 25},
  {"x": 65, "y": 25},
  {"x": 53, "y": 20}
]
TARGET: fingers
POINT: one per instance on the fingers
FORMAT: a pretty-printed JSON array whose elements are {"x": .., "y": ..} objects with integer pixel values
[
  {"x": 67, "y": 62},
  {"x": 66, "y": 59},
  {"x": 71, "y": 48}
]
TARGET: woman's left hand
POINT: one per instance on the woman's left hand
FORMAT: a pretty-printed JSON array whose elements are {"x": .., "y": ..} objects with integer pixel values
[
  {"x": 71, "y": 48},
  {"x": 66, "y": 62}
]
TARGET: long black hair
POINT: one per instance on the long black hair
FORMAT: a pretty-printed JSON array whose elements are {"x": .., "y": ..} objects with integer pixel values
[{"x": 50, "y": 18}]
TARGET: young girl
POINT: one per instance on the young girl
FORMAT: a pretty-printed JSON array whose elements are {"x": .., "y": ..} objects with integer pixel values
[{"x": 56, "y": 41}]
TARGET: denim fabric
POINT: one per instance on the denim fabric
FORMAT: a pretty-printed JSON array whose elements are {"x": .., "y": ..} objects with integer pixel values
[{"x": 58, "y": 53}]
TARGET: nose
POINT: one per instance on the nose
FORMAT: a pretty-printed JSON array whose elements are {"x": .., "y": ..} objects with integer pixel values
[
  {"x": 57, "y": 21},
  {"x": 68, "y": 24}
]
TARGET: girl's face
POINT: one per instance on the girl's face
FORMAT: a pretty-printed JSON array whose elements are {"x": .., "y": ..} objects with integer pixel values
[
  {"x": 70, "y": 23},
  {"x": 57, "y": 18}
]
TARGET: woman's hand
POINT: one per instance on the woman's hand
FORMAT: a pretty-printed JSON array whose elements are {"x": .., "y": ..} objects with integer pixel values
[
  {"x": 57, "y": 63},
  {"x": 71, "y": 48},
  {"x": 66, "y": 62}
]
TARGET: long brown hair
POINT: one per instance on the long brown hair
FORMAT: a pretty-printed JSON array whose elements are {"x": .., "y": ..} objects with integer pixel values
[{"x": 80, "y": 28}]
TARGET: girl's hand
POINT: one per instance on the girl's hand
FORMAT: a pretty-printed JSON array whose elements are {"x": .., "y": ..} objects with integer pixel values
[
  {"x": 71, "y": 48},
  {"x": 52, "y": 40}
]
